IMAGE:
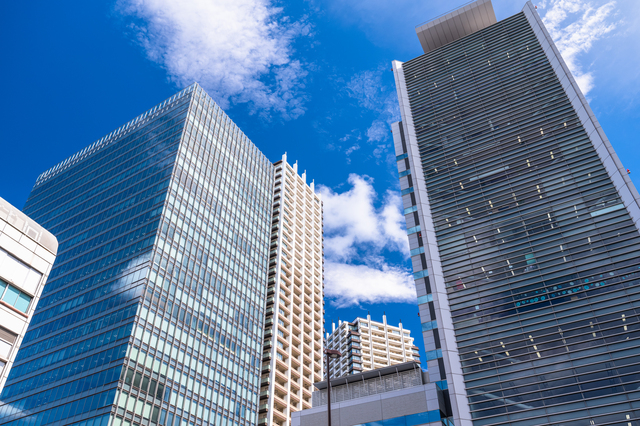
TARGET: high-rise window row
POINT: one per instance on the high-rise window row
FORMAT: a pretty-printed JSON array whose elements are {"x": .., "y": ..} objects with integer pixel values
[{"x": 523, "y": 228}]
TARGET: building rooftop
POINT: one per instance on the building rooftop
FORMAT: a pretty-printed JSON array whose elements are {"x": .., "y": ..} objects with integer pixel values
[
  {"x": 28, "y": 226},
  {"x": 380, "y": 372},
  {"x": 455, "y": 25}
]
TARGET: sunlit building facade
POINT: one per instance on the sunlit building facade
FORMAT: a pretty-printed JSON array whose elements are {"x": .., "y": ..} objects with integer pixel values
[
  {"x": 523, "y": 228},
  {"x": 292, "y": 354},
  {"x": 153, "y": 311},
  {"x": 368, "y": 345},
  {"x": 27, "y": 252}
]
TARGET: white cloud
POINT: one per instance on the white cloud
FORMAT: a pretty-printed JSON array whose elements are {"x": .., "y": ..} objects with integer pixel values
[
  {"x": 575, "y": 25},
  {"x": 240, "y": 51},
  {"x": 351, "y": 220},
  {"x": 349, "y": 284},
  {"x": 369, "y": 89},
  {"x": 379, "y": 130},
  {"x": 356, "y": 233},
  {"x": 349, "y": 151},
  {"x": 352, "y": 149}
]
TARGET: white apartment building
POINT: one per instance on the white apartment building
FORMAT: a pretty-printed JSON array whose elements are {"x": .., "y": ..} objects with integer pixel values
[
  {"x": 27, "y": 252},
  {"x": 369, "y": 345},
  {"x": 292, "y": 352}
]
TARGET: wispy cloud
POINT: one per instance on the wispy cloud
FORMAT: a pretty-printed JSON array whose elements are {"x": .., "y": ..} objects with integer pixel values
[
  {"x": 369, "y": 89},
  {"x": 356, "y": 234},
  {"x": 240, "y": 51},
  {"x": 575, "y": 25}
]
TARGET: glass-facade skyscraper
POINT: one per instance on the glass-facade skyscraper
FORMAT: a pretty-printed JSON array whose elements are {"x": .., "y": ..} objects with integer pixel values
[
  {"x": 523, "y": 228},
  {"x": 153, "y": 311}
]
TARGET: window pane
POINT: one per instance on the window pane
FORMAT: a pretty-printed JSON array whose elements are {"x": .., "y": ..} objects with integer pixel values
[
  {"x": 23, "y": 302},
  {"x": 137, "y": 380},
  {"x": 11, "y": 295},
  {"x": 5, "y": 348},
  {"x": 145, "y": 383},
  {"x": 3, "y": 285}
]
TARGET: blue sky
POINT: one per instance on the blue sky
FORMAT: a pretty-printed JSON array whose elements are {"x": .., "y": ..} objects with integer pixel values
[{"x": 312, "y": 78}]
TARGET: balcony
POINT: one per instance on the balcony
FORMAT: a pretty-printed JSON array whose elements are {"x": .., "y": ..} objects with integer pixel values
[
  {"x": 295, "y": 340},
  {"x": 295, "y": 351},
  {"x": 296, "y": 329},
  {"x": 279, "y": 415},
  {"x": 295, "y": 375},
  {"x": 281, "y": 376},
  {"x": 295, "y": 363},
  {"x": 282, "y": 391}
]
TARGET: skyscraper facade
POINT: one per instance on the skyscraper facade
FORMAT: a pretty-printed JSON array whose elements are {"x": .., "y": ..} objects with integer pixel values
[
  {"x": 523, "y": 228},
  {"x": 368, "y": 345},
  {"x": 153, "y": 311},
  {"x": 292, "y": 355},
  {"x": 27, "y": 252}
]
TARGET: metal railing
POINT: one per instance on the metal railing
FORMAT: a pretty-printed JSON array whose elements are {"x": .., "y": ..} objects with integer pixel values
[{"x": 367, "y": 387}]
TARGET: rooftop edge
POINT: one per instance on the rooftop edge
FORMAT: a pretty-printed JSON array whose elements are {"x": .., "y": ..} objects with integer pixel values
[
  {"x": 28, "y": 226},
  {"x": 454, "y": 25}
]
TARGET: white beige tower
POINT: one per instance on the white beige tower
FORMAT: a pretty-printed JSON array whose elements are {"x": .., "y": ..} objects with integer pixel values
[
  {"x": 368, "y": 345},
  {"x": 27, "y": 252},
  {"x": 292, "y": 353}
]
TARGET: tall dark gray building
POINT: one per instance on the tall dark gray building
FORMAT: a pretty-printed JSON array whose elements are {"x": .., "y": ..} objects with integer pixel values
[
  {"x": 523, "y": 227},
  {"x": 153, "y": 311}
]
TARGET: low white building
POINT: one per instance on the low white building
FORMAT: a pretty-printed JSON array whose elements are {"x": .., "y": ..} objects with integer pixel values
[
  {"x": 27, "y": 252},
  {"x": 369, "y": 345}
]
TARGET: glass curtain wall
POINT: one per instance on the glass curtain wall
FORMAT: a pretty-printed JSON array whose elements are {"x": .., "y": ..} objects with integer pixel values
[
  {"x": 105, "y": 210},
  {"x": 151, "y": 312},
  {"x": 200, "y": 325}
]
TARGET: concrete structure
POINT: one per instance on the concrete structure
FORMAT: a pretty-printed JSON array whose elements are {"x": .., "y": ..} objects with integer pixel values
[
  {"x": 398, "y": 395},
  {"x": 523, "y": 228},
  {"x": 292, "y": 353},
  {"x": 450, "y": 27},
  {"x": 369, "y": 345},
  {"x": 153, "y": 313},
  {"x": 27, "y": 252}
]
